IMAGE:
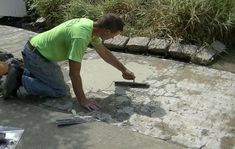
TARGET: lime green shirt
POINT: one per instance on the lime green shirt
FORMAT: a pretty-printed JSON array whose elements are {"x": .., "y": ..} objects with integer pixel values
[{"x": 68, "y": 40}]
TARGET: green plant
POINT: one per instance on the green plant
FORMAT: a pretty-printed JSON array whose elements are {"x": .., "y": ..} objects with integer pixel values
[
  {"x": 51, "y": 10},
  {"x": 195, "y": 21},
  {"x": 81, "y": 8}
]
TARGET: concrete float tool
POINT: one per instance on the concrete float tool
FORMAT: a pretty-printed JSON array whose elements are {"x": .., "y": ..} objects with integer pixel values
[
  {"x": 69, "y": 120},
  {"x": 131, "y": 84},
  {"x": 75, "y": 119}
]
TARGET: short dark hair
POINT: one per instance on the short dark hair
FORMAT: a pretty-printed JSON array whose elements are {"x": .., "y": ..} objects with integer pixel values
[{"x": 110, "y": 21}]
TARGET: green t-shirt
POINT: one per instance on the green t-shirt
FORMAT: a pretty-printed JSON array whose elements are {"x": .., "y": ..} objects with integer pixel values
[{"x": 69, "y": 40}]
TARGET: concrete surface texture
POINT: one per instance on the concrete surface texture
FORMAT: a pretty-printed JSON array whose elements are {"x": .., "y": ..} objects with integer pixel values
[
  {"x": 41, "y": 131},
  {"x": 186, "y": 105},
  {"x": 14, "y": 8}
]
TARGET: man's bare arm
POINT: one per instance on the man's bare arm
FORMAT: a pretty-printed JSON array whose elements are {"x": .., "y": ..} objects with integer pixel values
[
  {"x": 74, "y": 73},
  {"x": 107, "y": 56}
]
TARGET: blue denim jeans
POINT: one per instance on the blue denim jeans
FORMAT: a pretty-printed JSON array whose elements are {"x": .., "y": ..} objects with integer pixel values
[{"x": 42, "y": 77}]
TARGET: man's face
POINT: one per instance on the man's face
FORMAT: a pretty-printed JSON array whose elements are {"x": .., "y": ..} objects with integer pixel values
[{"x": 107, "y": 34}]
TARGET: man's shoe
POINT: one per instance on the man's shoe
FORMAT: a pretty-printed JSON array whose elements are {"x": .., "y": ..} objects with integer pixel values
[
  {"x": 13, "y": 80},
  {"x": 5, "y": 56},
  {"x": 22, "y": 93}
]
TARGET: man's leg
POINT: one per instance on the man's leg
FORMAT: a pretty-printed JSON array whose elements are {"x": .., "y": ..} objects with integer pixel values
[{"x": 42, "y": 77}]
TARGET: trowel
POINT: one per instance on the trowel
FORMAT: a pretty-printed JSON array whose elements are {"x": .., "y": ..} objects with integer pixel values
[
  {"x": 131, "y": 84},
  {"x": 75, "y": 119}
]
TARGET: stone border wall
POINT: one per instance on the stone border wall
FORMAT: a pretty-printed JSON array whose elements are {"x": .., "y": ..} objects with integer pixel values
[{"x": 143, "y": 45}]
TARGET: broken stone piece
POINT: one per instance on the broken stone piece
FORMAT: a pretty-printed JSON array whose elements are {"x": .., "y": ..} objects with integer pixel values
[
  {"x": 138, "y": 44},
  {"x": 181, "y": 51},
  {"x": 40, "y": 20},
  {"x": 205, "y": 56},
  {"x": 218, "y": 46},
  {"x": 117, "y": 43},
  {"x": 158, "y": 46}
]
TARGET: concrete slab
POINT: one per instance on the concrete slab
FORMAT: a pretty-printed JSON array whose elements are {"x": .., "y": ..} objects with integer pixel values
[
  {"x": 42, "y": 133},
  {"x": 185, "y": 104},
  {"x": 188, "y": 104}
]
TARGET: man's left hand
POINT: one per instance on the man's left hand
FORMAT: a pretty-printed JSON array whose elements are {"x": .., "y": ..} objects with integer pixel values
[{"x": 128, "y": 75}]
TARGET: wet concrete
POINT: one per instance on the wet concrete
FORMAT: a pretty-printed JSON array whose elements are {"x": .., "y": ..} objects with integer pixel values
[{"x": 186, "y": 104}]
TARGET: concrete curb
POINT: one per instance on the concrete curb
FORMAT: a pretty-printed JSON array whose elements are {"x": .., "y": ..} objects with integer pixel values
[{"x": 204, "y": 55}]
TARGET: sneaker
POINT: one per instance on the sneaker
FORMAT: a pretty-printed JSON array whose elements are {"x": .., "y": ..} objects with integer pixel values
[
  {"x": 5, "y": 56},
  {"x": 21, "y": 92},
  {"x": 13, "y": 80}
]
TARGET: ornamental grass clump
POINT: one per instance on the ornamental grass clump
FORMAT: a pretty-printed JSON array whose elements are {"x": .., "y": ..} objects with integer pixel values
[{"x": 193, "y": 21}]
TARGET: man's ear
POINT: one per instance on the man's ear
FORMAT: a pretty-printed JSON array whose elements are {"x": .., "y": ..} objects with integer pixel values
[{"x": 108, "y": 31}]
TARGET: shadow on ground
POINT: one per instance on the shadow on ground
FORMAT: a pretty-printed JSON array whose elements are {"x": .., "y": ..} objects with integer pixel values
[
  {"x": 117, "y": 106},
  {"x": 38, "y": 120},
  {"x": 121, "y": 110}
]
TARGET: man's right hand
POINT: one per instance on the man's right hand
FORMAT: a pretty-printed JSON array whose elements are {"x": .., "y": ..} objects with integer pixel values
[
  {"x": 128, "y": 75},
  {"x": 90, "y": 104}
]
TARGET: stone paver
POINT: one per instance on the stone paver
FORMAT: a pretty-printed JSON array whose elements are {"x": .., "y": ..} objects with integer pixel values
[
  {"x": 138, "y": 44},
  {"x": 204, "y": 56},
  {"x": 117, "y": 43},
  {"x": 158, "y": 46},
  {"x": 182, "y": 51},
  {"x": 186, "y": 104}
]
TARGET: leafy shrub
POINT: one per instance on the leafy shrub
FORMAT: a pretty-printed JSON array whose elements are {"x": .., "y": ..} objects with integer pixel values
[
  {"x": 51, "y": 10},
  {"x": 194, "y": 21},
  {"x": 82, "y": 8}
]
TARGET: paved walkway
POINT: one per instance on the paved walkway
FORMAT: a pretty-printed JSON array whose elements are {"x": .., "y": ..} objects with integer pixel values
[{"x": 188, "y": 105}]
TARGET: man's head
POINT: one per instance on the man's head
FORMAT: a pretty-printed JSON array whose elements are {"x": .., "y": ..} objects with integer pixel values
[{"x": 109, "y": 26}]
